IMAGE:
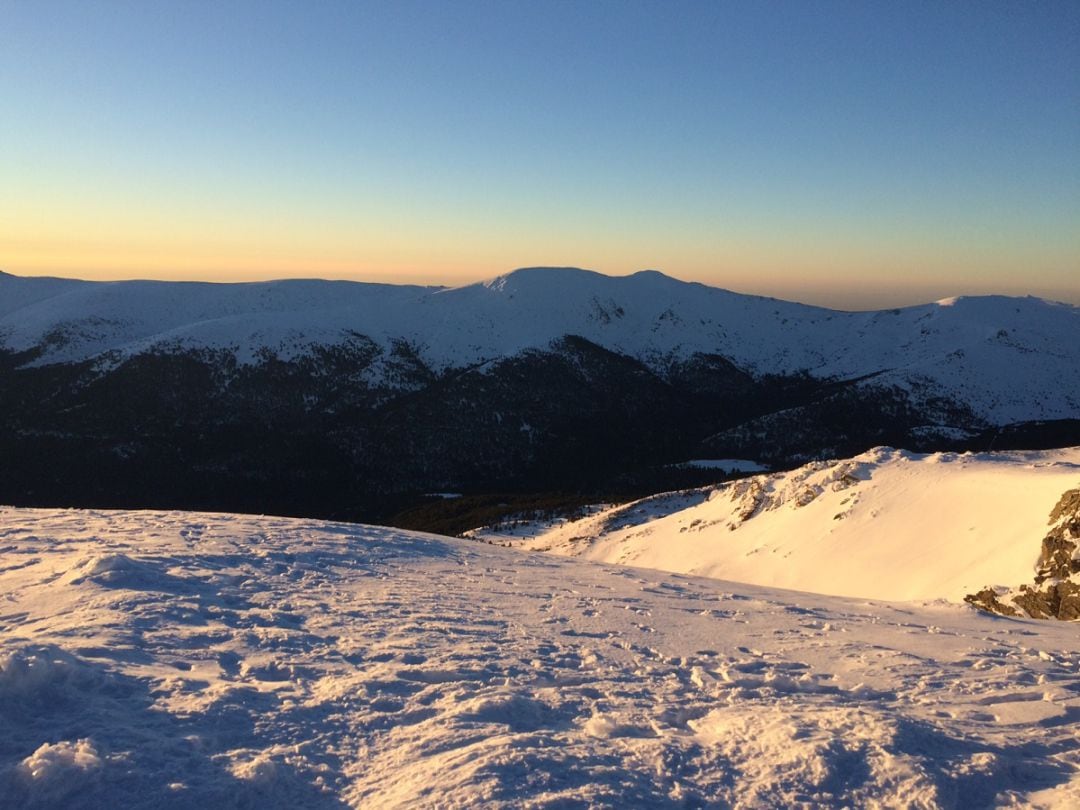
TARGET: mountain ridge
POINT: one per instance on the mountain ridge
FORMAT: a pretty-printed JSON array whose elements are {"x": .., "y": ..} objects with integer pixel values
[
  {"x": 954, "y": 343},
  {"x": 330, "y": 399}
]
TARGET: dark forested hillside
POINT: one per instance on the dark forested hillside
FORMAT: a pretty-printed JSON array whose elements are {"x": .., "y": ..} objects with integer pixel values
[{"x": 310, "y": 436}]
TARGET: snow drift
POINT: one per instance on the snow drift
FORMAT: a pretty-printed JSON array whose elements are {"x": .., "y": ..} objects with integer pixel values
[{"x": 886, "y": 524}]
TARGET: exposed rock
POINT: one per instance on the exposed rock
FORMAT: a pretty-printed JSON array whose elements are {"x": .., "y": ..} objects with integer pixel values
[
  {"x": 1058, "y": 601},
  {"x": 1056, "y": 566},
  {"x": 1067, "y": 507},
  {"x": 845, "y": 481},
  {"x": 751, "y": 495},
  {"x": 1057, "y": 560},
  {"x": 987, "y": 599}
]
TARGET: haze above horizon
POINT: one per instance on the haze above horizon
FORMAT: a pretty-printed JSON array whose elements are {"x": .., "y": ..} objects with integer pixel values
[{"x": 851, "y": 155}]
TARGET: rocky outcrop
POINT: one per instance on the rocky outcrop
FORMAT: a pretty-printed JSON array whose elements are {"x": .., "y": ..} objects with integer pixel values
[
  {"x": 1058, "y": 558},
  {"x": 1061, "y": 600},
  {"x": 988, "y": 599},
  {"x": 1056, "y": 592}
]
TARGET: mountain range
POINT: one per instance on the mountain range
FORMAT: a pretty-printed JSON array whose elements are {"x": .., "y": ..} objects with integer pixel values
[
  {"x": 330, "y": 398},
  {"x": 176, "y": 658}
]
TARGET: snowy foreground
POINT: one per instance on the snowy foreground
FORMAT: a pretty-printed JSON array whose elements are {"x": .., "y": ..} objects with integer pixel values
[
  {"x": 886, "y": 524},
  {"x": 193, "y": 660}
]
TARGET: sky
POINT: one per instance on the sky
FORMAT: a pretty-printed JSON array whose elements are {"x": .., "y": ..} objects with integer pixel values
[{"x": 851, "y": 154}]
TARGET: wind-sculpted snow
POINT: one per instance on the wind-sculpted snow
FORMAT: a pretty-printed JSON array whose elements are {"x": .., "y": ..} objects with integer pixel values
[
  {"x": 955, "y": 348},
  {"x": 204, "y": 660},
  {"x": 888, "y": 524}
]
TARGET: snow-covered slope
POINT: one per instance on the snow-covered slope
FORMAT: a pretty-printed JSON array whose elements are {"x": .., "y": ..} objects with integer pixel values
[
  {"x": 887, "y": 524},
  {"x": 955, "y": 347},
  {"x": 201, "y": 660}
]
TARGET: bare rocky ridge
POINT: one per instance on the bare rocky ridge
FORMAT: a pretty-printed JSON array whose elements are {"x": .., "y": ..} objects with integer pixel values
[{"x": 1056, "y": 592}]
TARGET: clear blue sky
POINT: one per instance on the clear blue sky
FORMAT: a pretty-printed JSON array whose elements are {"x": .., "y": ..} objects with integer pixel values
[{"x": 853, "y": 153}]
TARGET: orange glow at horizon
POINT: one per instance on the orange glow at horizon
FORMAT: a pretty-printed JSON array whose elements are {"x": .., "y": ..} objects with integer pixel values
[
  {"x": 118, "y": 239},
  {"x": 855, "y": 281}
]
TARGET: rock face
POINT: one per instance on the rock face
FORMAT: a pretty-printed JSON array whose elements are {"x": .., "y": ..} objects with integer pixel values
[
  {"x": 1056, "y": 592},
  {"x": 1060, "y": 600},
  {"x": 1058, "y": 558}
]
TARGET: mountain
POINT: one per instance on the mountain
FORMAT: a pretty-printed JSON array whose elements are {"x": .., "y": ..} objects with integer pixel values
[
  {"x": 1000, "y": 529},
  {"x": 170, "y": 660},
  {"x": 336, "y": 398},
  {"x": 957, "y": 346}
]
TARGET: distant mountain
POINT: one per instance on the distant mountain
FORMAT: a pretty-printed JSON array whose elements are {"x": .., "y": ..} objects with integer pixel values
[
  {"x": 327, "y": 398},
  {"x": 999, "y": 529},
  {"x": 957, "y": 346}
]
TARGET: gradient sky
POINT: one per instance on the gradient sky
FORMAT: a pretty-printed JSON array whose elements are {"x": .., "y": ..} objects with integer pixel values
[{"x": 854, "y": 154}]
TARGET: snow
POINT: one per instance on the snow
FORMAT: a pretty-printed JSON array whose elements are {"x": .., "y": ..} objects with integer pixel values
[
  {"x": 56, "y": 771},
  {"x": 954, "y": 347},
  {"x": 887, "y": 524},
  {"x": 164, "y": 659}
]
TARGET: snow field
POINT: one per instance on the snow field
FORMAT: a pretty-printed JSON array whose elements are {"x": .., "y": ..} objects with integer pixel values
[
  {"x": 886, "y": 524},
  {"x": 191, "y": 660}
]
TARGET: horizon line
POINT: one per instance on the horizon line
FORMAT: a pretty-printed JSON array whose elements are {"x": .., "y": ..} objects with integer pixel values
[{"x": 1075, "y": 302}]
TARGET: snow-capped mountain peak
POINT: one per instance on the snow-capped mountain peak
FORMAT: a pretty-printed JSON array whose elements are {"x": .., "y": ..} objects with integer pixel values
[{"x": 957, "y": 346}]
